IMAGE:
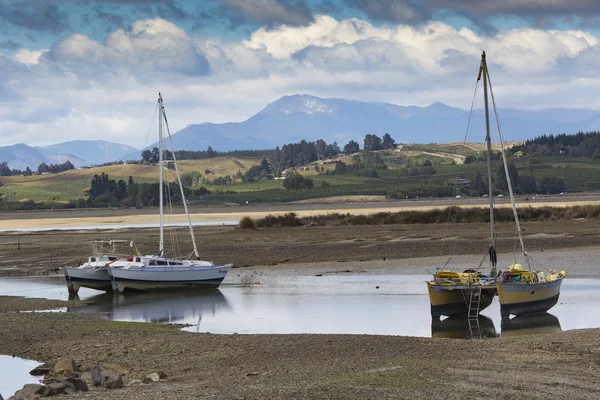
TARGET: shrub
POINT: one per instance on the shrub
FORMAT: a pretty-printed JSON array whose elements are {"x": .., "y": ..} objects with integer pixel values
[
  {"x": 297, "y": 181},
  {"x": 247, "y": 223}
]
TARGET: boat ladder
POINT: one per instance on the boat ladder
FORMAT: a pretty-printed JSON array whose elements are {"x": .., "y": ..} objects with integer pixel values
[
  {"x": 474, "y": 328},
  {"x": 474, "y": 302},
  {"x": 473, "y": 313}
]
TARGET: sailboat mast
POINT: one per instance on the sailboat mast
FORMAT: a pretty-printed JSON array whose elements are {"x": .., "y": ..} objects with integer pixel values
[
  {"x": 161, "y": 244},
  {"x": 181, "y": 187},
  {"x": 483, "y": 70}
]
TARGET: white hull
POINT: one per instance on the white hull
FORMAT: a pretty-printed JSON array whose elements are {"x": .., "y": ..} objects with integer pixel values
[
  {"x": 89, "y": 277},
  {"x": 149, "y": 278}
]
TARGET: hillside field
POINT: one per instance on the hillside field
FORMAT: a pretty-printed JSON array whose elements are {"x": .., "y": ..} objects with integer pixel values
[{"x": 579, "y": 175}]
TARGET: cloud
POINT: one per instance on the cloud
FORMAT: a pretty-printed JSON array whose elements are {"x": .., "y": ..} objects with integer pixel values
[
  {"x": 9, "y": 45},
  {"x": 404, "y": 11},
  {"x": 40, "y": 16},
  {"x": 146, "y": 46},
  {"x": 416, "y": 12},
  {"x": 269, "y": 12},
  {"x": 108, "y": 89},
  {"x": 29, "y": 57}
]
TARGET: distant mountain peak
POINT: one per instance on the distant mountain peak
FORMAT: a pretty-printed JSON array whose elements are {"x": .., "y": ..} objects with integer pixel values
[{"x": 300, "y": 103}]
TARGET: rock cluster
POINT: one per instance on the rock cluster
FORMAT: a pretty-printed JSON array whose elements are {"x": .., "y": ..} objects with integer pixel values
[{"x": 65, "y": 377}]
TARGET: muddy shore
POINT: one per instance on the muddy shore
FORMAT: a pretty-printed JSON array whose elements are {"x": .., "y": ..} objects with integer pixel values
[
  {"x": 312, "y": 366},
  {"x": 41, "y": 253},
  {"x": 202, "y": 366}
]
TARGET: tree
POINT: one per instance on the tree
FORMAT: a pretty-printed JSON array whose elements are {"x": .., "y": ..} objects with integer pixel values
[
  {"x": 4, "y": 169},
  {"x": 320, "y": 147},
  {"x": 552, "y": 185},
  {"x": 43, "y": 167},
  {"x": 297, "y": 181},
  {"x": 211, "y": 153},
  {"x": 388, "y": 142},
  {"x": 351, "y": 147},
  {"x": 27, "y": 172},
  {"x": 332, "y": 150},
  {"x": 372, "y": 142},
  {"x": 146, "y": 156},
  {"x": 527, "y": 185},
  {"x": 340, "y": 167},
  {"x": 155, "y": 154},
  {"x": 514, "y": 177}
]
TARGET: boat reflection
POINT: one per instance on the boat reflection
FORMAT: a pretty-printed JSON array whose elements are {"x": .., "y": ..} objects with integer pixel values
[
  {"x": 530, "y": 325},
  {"x": 157, "y": 307},
  {"x": 463, "y": 328}
]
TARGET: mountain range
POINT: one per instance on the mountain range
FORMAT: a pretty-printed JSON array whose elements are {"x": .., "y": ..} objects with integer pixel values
[
  {"x": 79, "y": 152},
  {"x": 296, "y": 117}
]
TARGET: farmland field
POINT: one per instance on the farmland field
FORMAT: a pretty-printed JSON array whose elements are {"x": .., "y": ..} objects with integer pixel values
[{"x": 579, "y": 174}]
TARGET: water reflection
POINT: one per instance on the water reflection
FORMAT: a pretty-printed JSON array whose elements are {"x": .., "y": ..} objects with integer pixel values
[
  {"x": 157, "y": 307},
  {"x": 332, "y": 303},
  {"x": 463, "y": 328},
  {"x": 530, "y": 325}
]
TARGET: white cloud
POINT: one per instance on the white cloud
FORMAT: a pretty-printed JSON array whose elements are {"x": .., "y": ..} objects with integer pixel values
[
  {"x": 29, "y": 57},
  {"x": 86, "y": 89}
]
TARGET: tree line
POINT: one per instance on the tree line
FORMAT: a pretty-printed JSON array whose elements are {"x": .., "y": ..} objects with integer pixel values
[
  {"x": 5, "y": 170},
  {"x": 106, "y": 192},
  {"x": 581, "y": 144}
]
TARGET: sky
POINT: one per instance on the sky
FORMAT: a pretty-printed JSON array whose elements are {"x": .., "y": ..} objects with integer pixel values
[{"x": 92, "y": 69}]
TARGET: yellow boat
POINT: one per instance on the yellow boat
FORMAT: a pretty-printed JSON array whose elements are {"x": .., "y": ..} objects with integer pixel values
[
  {"x": 523, "y": 292},
  {"x": 460, "y": 293},
  {"x": 520, "y": 291},
  {"x": 467, "y": 293}
]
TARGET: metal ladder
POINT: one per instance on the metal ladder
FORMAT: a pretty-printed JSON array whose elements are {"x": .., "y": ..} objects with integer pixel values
[
  {"x": 474, "y": 302},
  {"x": 473, "y": 313}
]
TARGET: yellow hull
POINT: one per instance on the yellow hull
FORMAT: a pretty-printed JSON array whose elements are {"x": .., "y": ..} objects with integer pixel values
[
  {"x": 449, "y": 301},
  {"x": 521, "y": 298}
]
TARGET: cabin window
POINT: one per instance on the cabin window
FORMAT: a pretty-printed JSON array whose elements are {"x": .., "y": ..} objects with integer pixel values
[
  {"x": 112, "y": 258},
  {"x": 138, "y": 259},
  {"x": 93, "y": 259},
  {"x": 152, "y": 262}
]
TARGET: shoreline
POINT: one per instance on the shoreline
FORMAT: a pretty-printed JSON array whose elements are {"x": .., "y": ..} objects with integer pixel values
[
  {"x": 113, "y": 218},
  {"x": 313, "y": 366}
]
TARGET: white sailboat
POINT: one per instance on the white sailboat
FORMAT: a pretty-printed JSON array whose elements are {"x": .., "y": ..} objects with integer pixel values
[
  {"x": 152, "y": 272},
  {"x": 93, "y": 273}
]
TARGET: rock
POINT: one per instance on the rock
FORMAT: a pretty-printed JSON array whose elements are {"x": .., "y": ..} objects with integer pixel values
[
  {"x": 252, "y": 374},
  {"x": 96, "y": 378},
  {"x": 87, "y": 377},
  {"x": 57, "y": 388},
  {"x": 111, "y": 379},
  {"x": 64, "y": 366},
  {"x": 42, "y": 369},
  {"x": 153, "y": 377},
  {"x": 161, "y": 375},
  {"x": 133, "y": 382},
  {"x": 78, "y": 383},
  {"x": 117, "y": 368},
  {"x": 31, "y": 391}
]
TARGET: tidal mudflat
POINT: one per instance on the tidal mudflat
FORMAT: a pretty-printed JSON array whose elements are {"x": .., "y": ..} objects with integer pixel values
[{"x": 339, "y": 366}]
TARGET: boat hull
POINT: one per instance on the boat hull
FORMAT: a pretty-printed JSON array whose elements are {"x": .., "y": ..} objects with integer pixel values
[
  {"x": 530, "y": 325},
  {"x": 147, "y": 279},
  {"x": 93, "y": 278},
  {"x": 523, "y": 299},
  {"x": 446, "y": 301}
]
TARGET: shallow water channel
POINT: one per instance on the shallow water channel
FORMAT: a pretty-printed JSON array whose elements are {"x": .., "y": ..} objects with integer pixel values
[
  {"x": 344, "y": 304},
  {"x": 15, "y": 374}
]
